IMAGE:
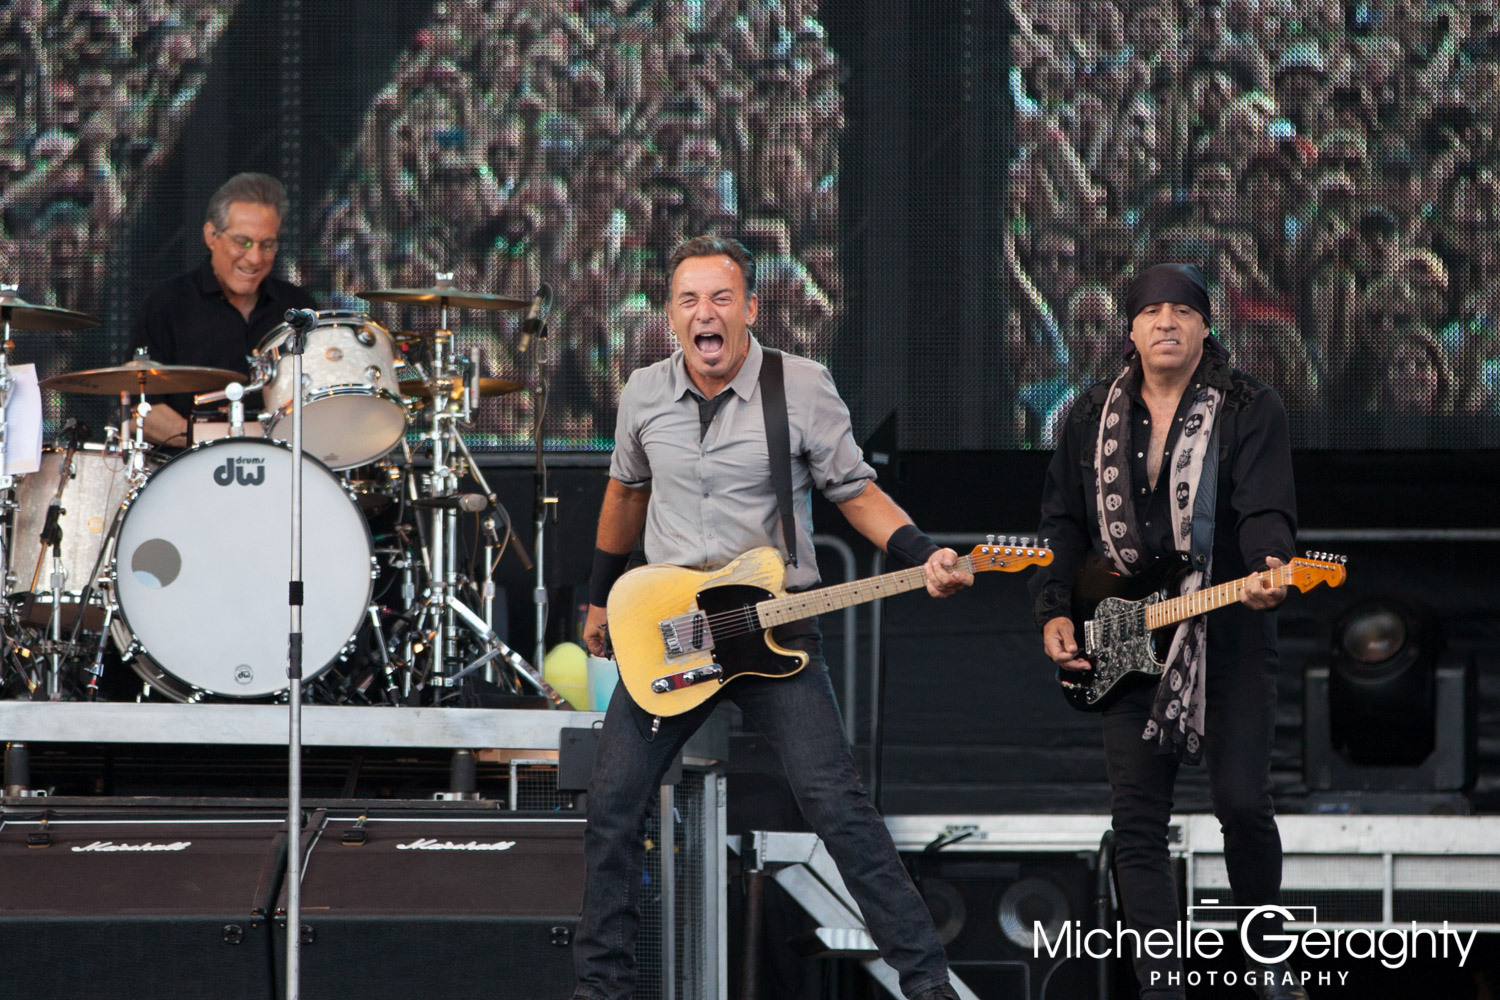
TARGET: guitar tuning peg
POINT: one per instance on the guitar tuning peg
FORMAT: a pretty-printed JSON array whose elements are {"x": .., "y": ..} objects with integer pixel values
[
  {"x": 1025, "y": 541},
  {"x": 1014, "y": 540},
  {"x": 1046, "y": 543},
  {"x": 989, "y": 539}
]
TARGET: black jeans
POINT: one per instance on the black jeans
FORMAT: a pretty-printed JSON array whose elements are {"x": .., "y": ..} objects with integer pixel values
[
  {"x": 800, "y": 718},
  {"x": 1239, "y": 722}
]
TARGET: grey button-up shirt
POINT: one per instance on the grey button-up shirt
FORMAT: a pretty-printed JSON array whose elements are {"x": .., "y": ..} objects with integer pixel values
[{"x": 712, "y": 500}]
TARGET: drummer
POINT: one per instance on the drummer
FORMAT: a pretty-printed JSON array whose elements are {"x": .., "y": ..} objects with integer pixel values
[{"x": 216, "y": 314}]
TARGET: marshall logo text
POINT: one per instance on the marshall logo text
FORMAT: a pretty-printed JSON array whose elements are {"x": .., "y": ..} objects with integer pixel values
[{"x": 428, "y": 844}]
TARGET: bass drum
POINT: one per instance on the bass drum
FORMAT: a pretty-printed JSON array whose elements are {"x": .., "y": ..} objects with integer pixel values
[{"x": 202, "y": 565}]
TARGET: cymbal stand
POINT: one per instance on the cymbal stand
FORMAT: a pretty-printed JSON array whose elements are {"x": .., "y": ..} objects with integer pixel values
[
  {"x": 450, "y": 457},
  {"x": 52, "y": 539},
  {"x": 7, "y": 481}
]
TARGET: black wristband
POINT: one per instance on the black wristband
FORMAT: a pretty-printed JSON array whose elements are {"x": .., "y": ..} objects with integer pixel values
[
  {"x": 608, "y": 568},
  {"x": 908, "y": 545}
]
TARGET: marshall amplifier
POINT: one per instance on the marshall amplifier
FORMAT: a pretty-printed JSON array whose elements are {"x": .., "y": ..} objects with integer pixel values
[
  {"x": 127, "y": 904},
  {"x": 452, "y": 903}
]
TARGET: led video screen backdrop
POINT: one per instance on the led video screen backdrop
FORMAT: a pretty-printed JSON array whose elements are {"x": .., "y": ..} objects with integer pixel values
[
  {"x": 1331, "y": 164},
  {"x": 505, "y": 143}
]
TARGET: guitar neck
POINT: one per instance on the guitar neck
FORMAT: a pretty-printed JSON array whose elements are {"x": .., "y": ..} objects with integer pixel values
[
  {"x": 795, "y": 607},
  {"x": 1176, "y": 609}
]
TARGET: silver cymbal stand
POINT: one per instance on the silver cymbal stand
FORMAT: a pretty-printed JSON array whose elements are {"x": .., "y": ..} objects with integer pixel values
[
  {"x": 453, "y": 405},
  {"x": 7, "y": 481}
]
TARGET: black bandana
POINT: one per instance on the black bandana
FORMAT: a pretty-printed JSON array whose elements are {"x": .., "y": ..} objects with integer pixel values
[{"x": 1181, "y": 283}]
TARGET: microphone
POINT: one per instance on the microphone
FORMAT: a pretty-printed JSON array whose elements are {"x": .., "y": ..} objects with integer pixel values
[
  {"x": 302, "y": 319},
  {"x": 471, "y": 503},
  {"x": 533, "y": 325}
]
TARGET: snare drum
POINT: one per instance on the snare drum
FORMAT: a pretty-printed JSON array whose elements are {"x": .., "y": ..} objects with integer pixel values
[
  {"x": 352, "y": 412},
  {"x": 97, "y": 484},
  {"x": 203, "y": 560}
]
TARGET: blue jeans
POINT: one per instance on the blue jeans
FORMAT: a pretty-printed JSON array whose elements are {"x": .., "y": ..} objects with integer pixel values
[
  {"x": 800, "y": 718},
  {"x": 1239, "y": 720}
]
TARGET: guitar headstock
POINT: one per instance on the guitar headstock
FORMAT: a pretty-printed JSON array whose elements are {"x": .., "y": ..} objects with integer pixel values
[
  {"x": 1316, "y": 568},
  {"x": 1008, "y": 555}
]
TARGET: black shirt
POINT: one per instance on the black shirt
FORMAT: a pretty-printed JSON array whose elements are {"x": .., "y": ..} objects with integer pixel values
[
  {"x": 189, "y": 321},
  {"x": 1256, "y": 511}
]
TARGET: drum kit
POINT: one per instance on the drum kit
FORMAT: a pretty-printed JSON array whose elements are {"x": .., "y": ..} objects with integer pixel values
[{"x": 178, "y": 563}]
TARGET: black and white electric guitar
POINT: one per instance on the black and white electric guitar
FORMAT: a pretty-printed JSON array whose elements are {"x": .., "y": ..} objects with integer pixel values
[{"x": 1124, "y": 624}]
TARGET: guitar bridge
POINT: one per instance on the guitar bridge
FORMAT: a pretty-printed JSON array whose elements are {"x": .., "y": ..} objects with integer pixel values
[
  {"x": 674, "y": 682},
  {"x": 687, "y": 633}
]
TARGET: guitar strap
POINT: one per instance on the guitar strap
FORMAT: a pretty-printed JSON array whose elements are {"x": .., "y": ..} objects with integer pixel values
[{"x": 779, "y": 444}]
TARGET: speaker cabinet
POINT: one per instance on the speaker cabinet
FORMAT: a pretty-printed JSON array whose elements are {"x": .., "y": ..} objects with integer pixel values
[
  {"x": 452, "y": 904},
  {"x": 123, "y": 905},
  {"x": 986, "y": 907}
]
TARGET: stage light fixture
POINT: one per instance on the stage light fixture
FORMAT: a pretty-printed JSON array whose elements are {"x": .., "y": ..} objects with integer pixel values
[{"x": 1382, "y": 690}]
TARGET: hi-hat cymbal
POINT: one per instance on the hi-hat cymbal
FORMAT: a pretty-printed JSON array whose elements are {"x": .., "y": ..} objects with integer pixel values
[
  {"x": 444, "y": 294},
  {"x": 445, "y": 387},
  {"x": 143, "y": 375},
  {"x": 22, "y": 315}
]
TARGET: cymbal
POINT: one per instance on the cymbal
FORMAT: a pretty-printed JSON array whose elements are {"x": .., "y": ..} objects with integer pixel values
[
  {"x": 441, "y": 294},
  {"x": 130, "y": 376},
  {"x": 487, "y": 387},
  {"x": 25, "y": 316}
]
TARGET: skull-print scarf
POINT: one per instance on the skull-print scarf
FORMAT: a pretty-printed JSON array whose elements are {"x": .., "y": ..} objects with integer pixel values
[{"x": 1176, "y": 719}]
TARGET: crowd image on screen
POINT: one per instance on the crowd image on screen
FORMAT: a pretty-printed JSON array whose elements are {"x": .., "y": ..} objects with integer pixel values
[
  {"x": 1332, "y": 164},
  {"x": 93, "y": 94},
  {"x": 576, "y": 144}
]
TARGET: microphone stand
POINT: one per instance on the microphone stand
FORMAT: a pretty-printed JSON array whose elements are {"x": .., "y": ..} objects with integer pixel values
[
  {"x": 543, "y": 500},
  {"x": 300, "y": 321}
]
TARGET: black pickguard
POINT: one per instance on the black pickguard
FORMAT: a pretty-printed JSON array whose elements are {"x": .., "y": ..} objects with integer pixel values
[
  {"x": 747, "y": 653},
  {"x": 1125, "y": 655}
]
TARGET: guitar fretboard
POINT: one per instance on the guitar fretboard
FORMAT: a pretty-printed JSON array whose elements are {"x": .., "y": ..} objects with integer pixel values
[
  {"x": 1176, "y": 609},
  {"x": 795, "y": 607}
]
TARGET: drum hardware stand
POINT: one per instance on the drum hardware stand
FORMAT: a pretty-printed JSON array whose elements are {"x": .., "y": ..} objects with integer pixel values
[
  {"x": 51, "y": 538},
  {"x": 7, "y": 481},
  {"x": 300, "y": 321}
]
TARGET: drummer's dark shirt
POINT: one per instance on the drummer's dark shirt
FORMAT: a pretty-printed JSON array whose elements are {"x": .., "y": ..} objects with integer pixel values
[{"x": 189, "y": 321}]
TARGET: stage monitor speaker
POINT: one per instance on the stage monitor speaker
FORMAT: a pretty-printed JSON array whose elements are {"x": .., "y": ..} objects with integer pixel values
[
  {"x": 127, "y": 904},
  {"x": 458, "y": 904},
  {"x": 986, "y": 907}
]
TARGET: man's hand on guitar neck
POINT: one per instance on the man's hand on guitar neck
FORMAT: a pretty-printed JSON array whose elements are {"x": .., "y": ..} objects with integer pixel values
[
  {"x": 1058, "y": 640},
  {"x": 944, "y": 578},
  {"x": 593, "y": 631},
  {"x": 1257, "y": 595}
]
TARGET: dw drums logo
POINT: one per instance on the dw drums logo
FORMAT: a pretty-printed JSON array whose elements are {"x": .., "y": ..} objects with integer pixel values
[{"x": 245, "y": 471}]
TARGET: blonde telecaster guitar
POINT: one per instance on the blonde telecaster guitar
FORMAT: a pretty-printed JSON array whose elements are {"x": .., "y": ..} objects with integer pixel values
[{"x": 680, "y": 634}]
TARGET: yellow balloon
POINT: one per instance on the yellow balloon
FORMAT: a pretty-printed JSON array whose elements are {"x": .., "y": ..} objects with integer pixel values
[{"x": 566, "y": 669}]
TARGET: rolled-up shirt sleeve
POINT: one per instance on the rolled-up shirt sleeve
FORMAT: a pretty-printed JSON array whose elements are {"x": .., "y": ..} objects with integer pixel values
[
  {"x": 837, "y": 464},
  {"x": 629, "y": 463}
]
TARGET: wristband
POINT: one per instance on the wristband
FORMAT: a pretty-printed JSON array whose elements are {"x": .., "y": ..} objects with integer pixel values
[
  {"x": 608, "y": 567},
  {"x": 907, "y": 544}
]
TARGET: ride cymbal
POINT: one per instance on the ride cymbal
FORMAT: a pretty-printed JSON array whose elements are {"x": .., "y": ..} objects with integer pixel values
[
  {"x": 143, "y": 375},
  {"x": 444, "y": 294},
  {"x": 452, "y": 387},
  {"x": 22, "y": 315}
]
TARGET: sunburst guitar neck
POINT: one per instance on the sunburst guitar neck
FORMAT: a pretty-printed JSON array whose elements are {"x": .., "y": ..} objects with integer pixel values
[{"x": 680, "y": 634}]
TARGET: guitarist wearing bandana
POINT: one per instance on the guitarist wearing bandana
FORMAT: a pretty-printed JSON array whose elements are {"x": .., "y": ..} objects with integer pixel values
[
  {"x": 693, "y": 471},
  {"x": 1179, "y": 458}
]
